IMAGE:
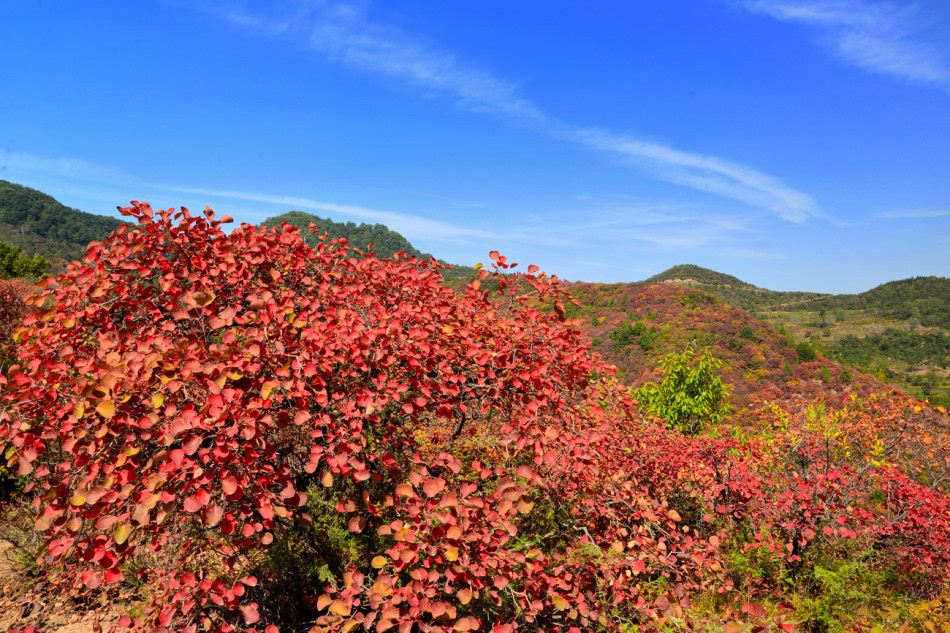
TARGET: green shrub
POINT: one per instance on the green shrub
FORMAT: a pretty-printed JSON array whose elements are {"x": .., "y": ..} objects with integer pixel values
[
  {"x": 624, "y": 334},
  {"x": 691, "y": 396},
  {"x": 648, "y": 339},
  {"x": 806, "y": 353}
]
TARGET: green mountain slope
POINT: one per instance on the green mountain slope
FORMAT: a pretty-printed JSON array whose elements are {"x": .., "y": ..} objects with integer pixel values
[
  {"x": 39, "y": 225},
  {"x": 690, "y": 274},
  {"x": 926, "y": 299},
  {"x": 730, "y": 289},
  {"x": 386, "y": 242}
]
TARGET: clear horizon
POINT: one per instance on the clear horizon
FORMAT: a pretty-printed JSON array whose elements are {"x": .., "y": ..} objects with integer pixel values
[{"x": 794, "y": 144}]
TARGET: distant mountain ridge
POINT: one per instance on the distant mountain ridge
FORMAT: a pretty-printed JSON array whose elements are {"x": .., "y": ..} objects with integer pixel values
[
  {"x": 690, "y": 273},
  {"x": 730, "y": 289},
  {"x": 385, "y": 241},
  {"x": 926, "y": 299},
  {"x": 39, "y": 225}
]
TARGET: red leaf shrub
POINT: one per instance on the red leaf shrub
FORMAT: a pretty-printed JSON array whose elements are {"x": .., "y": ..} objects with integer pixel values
[
  {"x": 182, "y": 388},
  {"x": 190, "y": 406}
]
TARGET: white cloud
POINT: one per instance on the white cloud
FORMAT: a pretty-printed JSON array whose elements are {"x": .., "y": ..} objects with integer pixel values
[
  {"x": 878, "y": 37},
  {"x": 708, "y": 173},
  {"x": 65, "y": 167},
  {"x": 410, "y": 226},
  {"x": 915, "y": 215},
  {"x": 341, "y": 32}
]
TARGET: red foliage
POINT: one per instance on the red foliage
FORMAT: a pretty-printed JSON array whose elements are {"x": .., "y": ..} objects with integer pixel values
[
  {"x": 183, "y": 385},
  {"x": 179, "y": 392},
  {"x": 12, "y": 311}
]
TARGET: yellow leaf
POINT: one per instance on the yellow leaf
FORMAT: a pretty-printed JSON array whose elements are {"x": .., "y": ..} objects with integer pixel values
[
  {"x": 77, "y": 499},
  {"x": 106, "y": 409},
  {"x": 157, "y": 400},
  {"x": 452, "y": 554},
  {"x": 203, "y": 298},
  {"x": 121, "y": 533},
  {"x": 339, "y": 608},
  {"x": 268, "y": 388}
]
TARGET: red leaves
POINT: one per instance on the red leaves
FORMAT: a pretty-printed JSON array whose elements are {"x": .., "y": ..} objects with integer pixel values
[
  {"x": 196, "y": 501},
  {"x": 229, "y": 485},
  {"x": 432, "y": 487},
  {"x": 191, "y": 382},
  {"x": 250, "y": 613},
  {"x": 754, "y": 609}
]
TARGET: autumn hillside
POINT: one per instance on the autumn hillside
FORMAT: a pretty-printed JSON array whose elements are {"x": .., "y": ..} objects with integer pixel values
[
  {"x": 770, "y": 376},
  {"x": 898, "y": 331},
  {"x": 633, "y": 325}
]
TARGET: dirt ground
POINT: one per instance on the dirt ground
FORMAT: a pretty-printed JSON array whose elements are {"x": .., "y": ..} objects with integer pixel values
[{"x": 25, "y": 603}]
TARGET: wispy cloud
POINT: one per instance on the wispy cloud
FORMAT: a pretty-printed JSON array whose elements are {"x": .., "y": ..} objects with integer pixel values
[
  {"x": 706, "y": 173},
  {"x": 599, "y": 221},
  {"x": 914, "y": 215},
  {"x": 343, "y": 33},
  {"x": 64, "y": 167},
  {"x": 879, "y": 37},
  {"x": 409, "y": 225},
  {"x": 665, "y": 226}
]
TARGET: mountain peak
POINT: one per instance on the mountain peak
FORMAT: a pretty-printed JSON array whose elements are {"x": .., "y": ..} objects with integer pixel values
[{"x": 692, "y": 274}]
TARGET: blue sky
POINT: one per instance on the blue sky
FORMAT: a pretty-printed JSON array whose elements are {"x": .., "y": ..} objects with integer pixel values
[{"x": 796, "y": 144}]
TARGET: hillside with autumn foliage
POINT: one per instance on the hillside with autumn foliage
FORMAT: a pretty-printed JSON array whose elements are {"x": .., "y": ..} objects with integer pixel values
[
  {"x": 221, "y": 431},
  {"x": 633, "y": 325},
  {"x": 897, "y": 331}
]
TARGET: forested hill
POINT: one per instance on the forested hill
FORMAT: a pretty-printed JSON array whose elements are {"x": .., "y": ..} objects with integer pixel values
[
  {"x": 690, "y": 273},
  {"x": 39, "y": 225},
  {"x": 926, "y": 299},
  {"x": 386, "y": 243},
  {"x": 730, "y": 289}
]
